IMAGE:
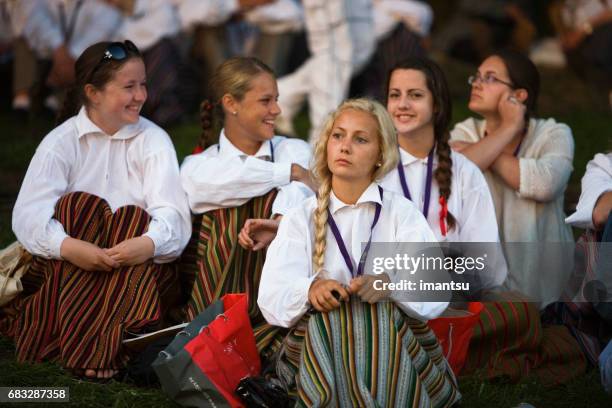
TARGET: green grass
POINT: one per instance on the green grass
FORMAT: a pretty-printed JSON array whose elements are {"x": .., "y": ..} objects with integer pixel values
[{"x": 562, "y": 97}]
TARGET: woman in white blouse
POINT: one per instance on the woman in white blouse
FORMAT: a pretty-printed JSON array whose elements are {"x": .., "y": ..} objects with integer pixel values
[
  {"x": 245, "y": 172},
  {"x": 449, "y": 189},
  {"x": 527, "y": 163},
  {"x": 102, "y": 210},
  {"x": 314, "y": 263}
]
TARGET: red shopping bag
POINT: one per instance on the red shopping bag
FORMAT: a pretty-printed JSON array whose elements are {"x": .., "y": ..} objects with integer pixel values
[
  {"x": 455, "y": 332},
  {"x": 225, "y": 350}
]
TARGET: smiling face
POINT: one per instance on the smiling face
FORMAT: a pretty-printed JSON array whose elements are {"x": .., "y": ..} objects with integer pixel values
[
  {"x": 484, "y": 98},
  {"x": 119, "y": 102},
  {"x": 410, "y": 102},
  {"x": 257, "y": 111},
  {"x": 353, "y": 147}
]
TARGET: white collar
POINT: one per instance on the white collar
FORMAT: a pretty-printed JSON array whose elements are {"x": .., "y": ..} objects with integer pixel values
[
  {"x": 227, "y": 148},
  {"x": 370, "y": 195},
  {"x": 85, "y": 127},
  {"x": 407, "y": 159}
]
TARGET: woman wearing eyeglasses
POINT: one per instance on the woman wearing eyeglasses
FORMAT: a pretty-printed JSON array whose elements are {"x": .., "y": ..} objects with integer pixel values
[
  {"x": 102, "y": 210},
  {"x": 527, "y": 163}
]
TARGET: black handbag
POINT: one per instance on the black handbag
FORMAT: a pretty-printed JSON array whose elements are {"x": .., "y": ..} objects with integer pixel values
[{"x": 258, "y": 392}]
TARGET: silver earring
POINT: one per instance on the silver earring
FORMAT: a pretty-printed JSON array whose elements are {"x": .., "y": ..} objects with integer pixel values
[
  {"x": 234, "y": 113},
  {"x": 378, "y": 164}
]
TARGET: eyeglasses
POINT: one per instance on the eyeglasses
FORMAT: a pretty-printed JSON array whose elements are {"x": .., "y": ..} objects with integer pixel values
[
  {"x": 116, "y": 51},
  {"x": 487, "y": 79}
]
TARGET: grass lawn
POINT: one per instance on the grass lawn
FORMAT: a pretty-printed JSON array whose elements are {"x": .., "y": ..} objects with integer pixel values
[{"x": 562, "y": 97}]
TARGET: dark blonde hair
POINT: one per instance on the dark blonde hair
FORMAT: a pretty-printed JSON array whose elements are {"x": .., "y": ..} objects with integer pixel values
[
  {"x": 389, "y": 156},
  {"x": 92, "y": 68},
  {"x": 232, "y": 77}
]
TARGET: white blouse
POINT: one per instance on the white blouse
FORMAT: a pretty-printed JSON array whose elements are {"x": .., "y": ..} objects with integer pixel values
[
  {"x": 135, "y": 166},
  {"x": 288, "y": 270},
  {"x": 534, "y": 213},
  {"x": 470, "y": 200},
  {"x": 470, "y": 203},
  {"x": 596, "y": 181},
  {"x": 223, "y": 176}
]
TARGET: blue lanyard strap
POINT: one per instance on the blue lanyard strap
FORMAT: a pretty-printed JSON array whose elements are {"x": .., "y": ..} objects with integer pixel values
[
  {"x": 345, "y": 254},
  {"x": 402, "y": 176}
]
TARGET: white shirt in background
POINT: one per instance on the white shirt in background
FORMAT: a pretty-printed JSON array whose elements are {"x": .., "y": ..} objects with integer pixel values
[
  {"x": 223, "y": 176},
  {"x": 288, "y": 271},
  {"x": 596, "y": 181},
  {"x": 416, "y": 15},
  {"x": 38, "y": 21},
  {"x": 135, "y": 166},
  {"x": 207, "y": 12},
  {"x": 150, "y": 22}
]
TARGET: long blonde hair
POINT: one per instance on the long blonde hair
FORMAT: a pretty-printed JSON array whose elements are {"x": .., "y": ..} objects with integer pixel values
[{"x": 389, "y": 157}]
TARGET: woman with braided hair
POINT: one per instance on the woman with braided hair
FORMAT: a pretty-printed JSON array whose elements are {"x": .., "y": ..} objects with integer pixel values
[
  {"x": 345, "y": 348},
  {"x": 448, "y": 188},
  {"x": 244, "y": 175}
]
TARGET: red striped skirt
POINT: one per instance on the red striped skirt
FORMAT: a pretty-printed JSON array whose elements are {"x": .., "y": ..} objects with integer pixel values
[
  {"x": 78, "y": 318},
  {"x": 510, "y": 341}
]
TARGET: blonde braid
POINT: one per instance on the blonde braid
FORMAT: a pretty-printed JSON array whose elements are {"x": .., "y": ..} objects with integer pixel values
[{"x": 320, "y": 223}]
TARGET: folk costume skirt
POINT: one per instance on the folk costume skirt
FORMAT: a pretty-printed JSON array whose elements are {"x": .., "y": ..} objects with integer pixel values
[
  {"x": 216, "y": 264},
  {"x": 363, "y": 355},
  {"x": 510, "y": 341},
  {"x": 76, "y": 317}
]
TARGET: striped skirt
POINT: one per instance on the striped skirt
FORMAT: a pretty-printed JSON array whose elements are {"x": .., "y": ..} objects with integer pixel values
[
  {"x": 216, "y": 264},
  {"x": 78, "y": 318},
  {"x": 363, "y": 355},
  {"x": 510, "y": 341}
]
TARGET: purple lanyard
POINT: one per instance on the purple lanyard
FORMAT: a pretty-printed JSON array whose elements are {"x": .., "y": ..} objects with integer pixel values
[
  {"x": 271, "y": 151},
  {"x": 402, "y": 176},
  {"x": 342, "y": 247}
]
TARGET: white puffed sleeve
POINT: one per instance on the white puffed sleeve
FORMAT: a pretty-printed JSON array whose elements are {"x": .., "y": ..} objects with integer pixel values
[
  {"x": 545, "y": 177},
  {"x": 45, "y": 182},
  {"x": 294, "y": 193},
  {"x": 213, "y": 181},
  {"x": 596, "y": 181},
  {"x": 287, "y": 272},
  {"x": 413, "y": 227},
  {"x": 166, "y": 202}
]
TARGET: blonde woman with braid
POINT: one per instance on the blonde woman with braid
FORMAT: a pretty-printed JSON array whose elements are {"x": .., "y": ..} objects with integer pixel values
[{"x": 312, "y": 282}]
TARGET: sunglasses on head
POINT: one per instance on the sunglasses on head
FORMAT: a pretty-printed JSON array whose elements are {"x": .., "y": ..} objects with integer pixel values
[{"x": 116, "y": 51}]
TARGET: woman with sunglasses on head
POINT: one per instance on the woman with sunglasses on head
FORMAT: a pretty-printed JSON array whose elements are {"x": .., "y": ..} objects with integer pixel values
[
  {"x": 246, "y": 175},
  {"x": 102, "y": 210},
  {"x": 313, "y": 281},
  {"x": 527, "y": 163},
  {"x": 449, "y": 189}
]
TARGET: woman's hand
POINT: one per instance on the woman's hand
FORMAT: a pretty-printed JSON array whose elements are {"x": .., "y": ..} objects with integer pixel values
[
  {"x": 258, "y": 233},
  {"x": 363, "y": 286},
  {"x": 86, "y": 255},
  {"x": 325, "y": 294},
  {"x": 133, "y": 251},
  {"x": 298, "y": 173},
  {"x": 512, "y": 112}
]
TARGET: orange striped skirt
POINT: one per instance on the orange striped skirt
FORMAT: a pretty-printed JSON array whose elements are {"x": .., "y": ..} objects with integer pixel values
[{"x": 78, "y": 318}]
